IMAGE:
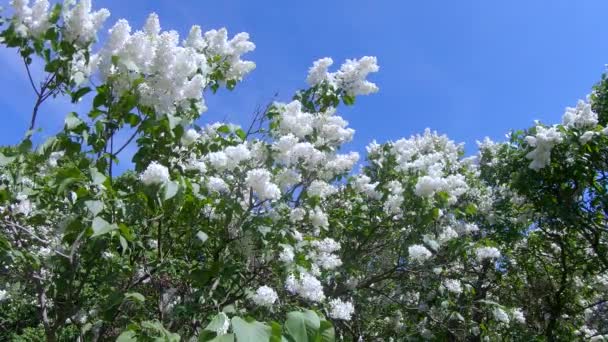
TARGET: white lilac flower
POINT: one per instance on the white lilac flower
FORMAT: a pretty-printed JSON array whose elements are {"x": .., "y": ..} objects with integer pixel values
[
  {"x": 483, "y": 253},
  {"x": 32, "y": 21},
  {"x": 518, "y": 316},
  {"x": 500, "y": 315},
  {"x": 453, "y": 285},
  {"x": 318, "y": 218},
  {"x": 318, "y": 72},
  {"x": 419, "y": 253},
  {"x": 155, "y": 173},
  {"x": 217, "y": 185},
  {"x": 190, "y": 136},
  {"x": 340, "y": 309},
  {"x": 581, "y": 116},
  {"x": 287, "y": 254},
  {"x": 80, "y": 24},
  {"x": 586, "y": 137},
  {"x": 351, "y": 77},
  {"x": 307, "y": 287},
  {"x": 259, "y": 181},
  {"x": 4, "y": 295},
  {"x": 264, "y": 296},
  {"x": 543, "y": 142}
]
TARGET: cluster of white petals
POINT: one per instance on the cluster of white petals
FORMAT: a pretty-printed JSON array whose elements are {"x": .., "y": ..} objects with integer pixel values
[
  {"x": 419, "y": 253},
  {"x": 31, "y": 21},
  {"x": 306, "y": 286},
  {"x": 453, "y": 285},
  {"x": 340, "y": 309},
  {"x": 264, "y": 296},
  {"x": 80, "y": 24},
  {"x": 483, "y": 253},
  {"x": 323, "y": 255},
  {"x": 155, "y": 173},
  {"x": 260, "y": 181},
  {"x": 543, "y": 142},
  {"x": 174, "y": 76},
  {"x": 351, "y": 77},
  {"x": 581, "y": 116}
]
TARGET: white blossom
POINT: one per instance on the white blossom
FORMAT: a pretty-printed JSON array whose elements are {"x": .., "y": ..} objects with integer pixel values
[
  {"x": 483, "y": 253},
  {"x": 500, "y": 315},
  {"x": 543, "y": 142},
  {"x": 340, "y": 309},
  {"x": 80, "y": 24},
  {"x": 190, "y": 136},
  {"x": 518, "y": 316},
  {"x": 287, "y": 254},
  {"x": 155, "y": 173},
  {"x": 419, "y": 253},
  {"x": 265, "y": 296},
  {"x": 217, "y": 185},
  {"x": 259, "y": 181},
  {"x": 453, "y": 285},
  {"x": 4, "y": 295},
  {"x": 581, "y": 116}
]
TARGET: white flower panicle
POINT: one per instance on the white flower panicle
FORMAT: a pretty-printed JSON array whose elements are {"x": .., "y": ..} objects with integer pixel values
[
  {"x": 543, "y": 142},
  {"x": 259, "y": 181},
  {"x": 306, "y": 286},
  {"x": 581, "y": 116},
  {"x": 340, "y": 309},
  {"x": 483, "y": 253},
  {"x": 81, "y": 25},
  {"x": 500, "y": 315},
  {"x": 287, "y": 254},
  {"x": 31, "y": 21},
  {"x": 518, "y": 316},
  {"x": 419, "y": 253},
  {"x": 155, "y": 173},
  {"x": 190, "y": 137},
  {"x": 265, "y": 296},
  {"x": 351, "y": 77},
  {"x": 230, "y": 51},
  {"x": 322, "y": 254},
  {"x": 4, "y": 295},
  {"x": 319, "y": 71},
  {"x": 217, "y": 185},
  {"x": 453, "y": 285}
]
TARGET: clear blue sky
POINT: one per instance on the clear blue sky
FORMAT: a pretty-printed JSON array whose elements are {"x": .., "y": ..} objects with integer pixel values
[{"x": 465, "y": 68}]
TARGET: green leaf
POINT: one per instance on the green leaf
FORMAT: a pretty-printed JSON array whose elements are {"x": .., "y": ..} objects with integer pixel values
[
  {"x": 253, "y": 331},
  {"x": 136, "y": 296},
  {"x": 101, "y": 226},
  {"x": 4, "y": 160},
  {"x": 127, "y": 336},
  {"x": 241, "y": 134},
  {"x": 202, "y": 236},
  {"x": 218, "y": 322},
  {"x": 97, "y": 177},
  {"x": 25, "y": 146},
  {"x": 224, "y": 129},
  {"x": 171, "y": 189},
  {"x": 55, "y": 13},
  {"x": 302, "y": 326},
  {"x": 348, "y": 100},
  {"x": 72, "y": 121},
  {"x": 326, "y": 332},
  {"x": 208, "y": 336},
  {"x": 95, "y": 207},
  {"x": 77, "y": 95},
  {"x": 173, "y": 121}
]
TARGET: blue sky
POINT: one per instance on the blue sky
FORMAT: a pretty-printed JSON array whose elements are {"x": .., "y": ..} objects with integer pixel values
[{"x": 465, "y": 68}]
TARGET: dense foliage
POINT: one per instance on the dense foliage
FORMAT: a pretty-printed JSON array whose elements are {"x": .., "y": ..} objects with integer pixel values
[{"x": 220, "y": 233}]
